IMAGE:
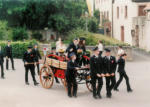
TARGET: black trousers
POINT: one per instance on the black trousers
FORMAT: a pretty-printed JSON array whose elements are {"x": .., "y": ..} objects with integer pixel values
[
  {"x": 2, "y": 69},
  {"x": 72, "y": 84},
  {"x": 31, "y": 69},
  {"x": 123, "y": 75},
  {"x": 7, "y": 62},
  {"x": 96, "y": 89},
  {"x": 110, "y": 83}
]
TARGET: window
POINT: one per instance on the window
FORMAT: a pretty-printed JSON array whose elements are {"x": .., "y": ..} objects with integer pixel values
[
  {"x": 118, "y": 12},
  {"x": 126, "y": 11},
  {"x": 141, "y": 10}
]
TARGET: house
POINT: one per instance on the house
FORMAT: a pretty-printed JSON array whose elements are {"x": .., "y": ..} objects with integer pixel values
[
  {"x": 106, "y": 19},
  {"x": 126, "y": 20}
]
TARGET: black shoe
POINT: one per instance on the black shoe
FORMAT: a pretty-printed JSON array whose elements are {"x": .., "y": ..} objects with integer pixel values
[
  {"x": 109, "y": 96},
  {"x": 130, "y": 90},
  {"x": 75, "y": 95},
  {"x": 69, "y": 96},
  {"x": 13, "y": 69},
  {"x": 99, "y": 96},
  {"x": 36, "y": 83},
  {"x": 95, "y": 97},
  {"x": 57, "y": 82},
  {"x": 27, "y": 83},
  {"x": 116, "y": 89},
  {"x": 3, "y": 77}
]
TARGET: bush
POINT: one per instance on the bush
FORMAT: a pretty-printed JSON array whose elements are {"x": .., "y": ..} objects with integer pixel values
[
  {"x": 93, "y": 25},
  {"x": 18, "y": 47},
  {"x": 5, "y": 32},
  {"x": 93, "y": 38},
  {"x": 19, "y": 34},
  {"x": 37, "y": 36}
]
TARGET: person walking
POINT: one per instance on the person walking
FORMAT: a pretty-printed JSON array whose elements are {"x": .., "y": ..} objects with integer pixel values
[
  {"x": 122, "y": 73},
  {"x": 9, "y": 55},
  {"x": 109, "y": 69},
  {"x": 96, "y": 68},
  {"x": 29, "y": 64}
]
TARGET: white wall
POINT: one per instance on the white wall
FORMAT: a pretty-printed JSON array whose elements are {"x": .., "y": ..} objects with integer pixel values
[{"x": 122, "y": 21}]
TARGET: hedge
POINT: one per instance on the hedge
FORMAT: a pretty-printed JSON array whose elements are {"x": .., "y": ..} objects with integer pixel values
[
  {"x": 18, "y": 48},
  {"x": 93, "y": 38}
]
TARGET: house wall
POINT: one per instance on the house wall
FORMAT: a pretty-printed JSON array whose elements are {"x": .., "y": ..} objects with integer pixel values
[{"x": 127, "y": 22}]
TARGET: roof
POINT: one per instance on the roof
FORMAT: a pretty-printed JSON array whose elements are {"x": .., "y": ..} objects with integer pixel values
[{"x": 141, "y": 0}]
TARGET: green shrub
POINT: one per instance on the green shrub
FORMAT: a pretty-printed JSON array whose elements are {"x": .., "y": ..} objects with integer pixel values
[
  {"x": 37, "y": 36},
  {"x": 5, "y": 31},
  {"x": 93, "y": 38},
  {"x": 93, "y": 25},
  {"x": 19, "y": 34},
  {"x": 18, "y": 48}
]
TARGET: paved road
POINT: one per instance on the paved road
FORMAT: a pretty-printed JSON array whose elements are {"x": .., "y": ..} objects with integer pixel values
[{"x": 14, "y": 92}]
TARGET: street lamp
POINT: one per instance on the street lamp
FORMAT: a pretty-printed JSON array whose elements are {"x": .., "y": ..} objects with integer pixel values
[{"x": 86, "y": 24}]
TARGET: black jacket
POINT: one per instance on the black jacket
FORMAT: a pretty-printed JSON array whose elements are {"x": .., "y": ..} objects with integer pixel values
[
  {"x": 28, "y": 57},
  {"x": 8, "y": 50},
  {"x": 121, "y": 65},
  {"x": 72, "y": 46},
  {"x": 36, "y": 54},
  {"x": 71, "y": 71},
  {"x": 109, "y": 64},
  {"x": 96, "y": 65},
  {"x": 1, "y": 57}
]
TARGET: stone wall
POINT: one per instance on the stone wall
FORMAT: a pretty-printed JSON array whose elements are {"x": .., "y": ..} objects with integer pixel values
[{"x": 113, "y": 49}]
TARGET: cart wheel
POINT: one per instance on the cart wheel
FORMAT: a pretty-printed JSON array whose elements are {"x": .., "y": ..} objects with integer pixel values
[
  {"x": 89, "y": 84},
  {"x": 46, "y": 77},
  {"x": 64, "y": 83}
]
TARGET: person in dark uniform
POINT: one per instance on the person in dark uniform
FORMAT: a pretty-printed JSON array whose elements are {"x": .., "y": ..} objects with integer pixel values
[
  {"x": 9, "y": 54},
  {"x": 71, "y": 76},
  {"x": 29, "y": 63},
  {"x": 122, "y": 73},
  {"x": 72, "y": 48},
  {"x": 37, "y": 57},
  {"x": 109, "y": 70},
  {"x": 1, "y": 64},
  {"x": 96, "y": 68}
]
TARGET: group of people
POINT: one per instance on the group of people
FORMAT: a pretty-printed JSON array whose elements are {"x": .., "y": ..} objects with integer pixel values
[
  {"x": 9, "y": 55},
  {"x": 31, "y": 59},
  {"x": 102, "y": 65}
]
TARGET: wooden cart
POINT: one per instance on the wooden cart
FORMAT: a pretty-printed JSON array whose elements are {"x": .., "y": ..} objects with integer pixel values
[{"x": 55, "y": 66}]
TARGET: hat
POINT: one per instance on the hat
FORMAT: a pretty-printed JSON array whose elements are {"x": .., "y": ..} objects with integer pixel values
[
  {"x": 53, "y": 48},
  {"x": 61, "y": 51},
  {"x": 29, "y": 47},
  {"x": 9, "y": 40},
  {"x": 82, "y": 38},
  {"x": 75, "y": 39},
  {"x": 72, "y": 54},
  {"x": 95, "y": 49},
  {"x": 107, "y": 50}
]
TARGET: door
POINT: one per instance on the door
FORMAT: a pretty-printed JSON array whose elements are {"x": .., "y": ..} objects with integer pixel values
[{"x": 122, "y": 33}]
